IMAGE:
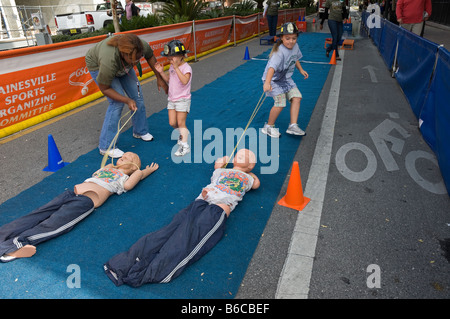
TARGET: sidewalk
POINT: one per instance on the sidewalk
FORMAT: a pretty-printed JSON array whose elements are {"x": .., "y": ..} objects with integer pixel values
[{"x": 437, "y": 33}]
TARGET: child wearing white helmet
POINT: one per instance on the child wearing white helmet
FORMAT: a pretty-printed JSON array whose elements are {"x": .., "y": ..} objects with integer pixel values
[
  {"x": 278, "y": 83},
  {"x": 179, "y": 96}
]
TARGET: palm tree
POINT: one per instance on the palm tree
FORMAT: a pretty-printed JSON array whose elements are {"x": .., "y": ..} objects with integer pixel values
[{"x": 184, "y": 9}]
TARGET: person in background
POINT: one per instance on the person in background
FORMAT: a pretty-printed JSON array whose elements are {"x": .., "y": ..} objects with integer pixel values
[
  {"x": 382, "y": 6},
  {"x": 271, "y": 12},
  {"x": 323, "y": 13},
  {"x": 337, "y": 11},
  {"x": 411, "y": 14},
  {"x": 131, "y": 9}
]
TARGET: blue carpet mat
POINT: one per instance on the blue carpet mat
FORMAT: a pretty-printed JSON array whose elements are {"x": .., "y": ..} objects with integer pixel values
[{"x": 225, "y": 103}]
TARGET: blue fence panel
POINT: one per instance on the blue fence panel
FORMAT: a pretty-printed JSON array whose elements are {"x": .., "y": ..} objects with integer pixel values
[
  {"x": 428, "y": 118},
  {"x": 416, "y": 58},
  {"x": 435, "y": 115},
  {"x": 384, "y": 35},
  {"x": 426, "y": 87},
  {"x": 375, "y": 33},
  {"x": 388, "y": 42}
]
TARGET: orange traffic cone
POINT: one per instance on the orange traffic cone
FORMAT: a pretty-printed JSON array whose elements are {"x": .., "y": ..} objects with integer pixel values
[
  {"x": 333, "y": 58},
  {"x": 294, "y": 195}
]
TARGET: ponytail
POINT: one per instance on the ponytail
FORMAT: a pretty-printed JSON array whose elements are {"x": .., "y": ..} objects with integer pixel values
[{"x": 275, "y": 47}]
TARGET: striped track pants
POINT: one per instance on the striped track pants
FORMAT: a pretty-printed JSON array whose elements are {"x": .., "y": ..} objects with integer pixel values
[
  {"x": 55, "y": 218},
  {"x": 161, "y": 256}
]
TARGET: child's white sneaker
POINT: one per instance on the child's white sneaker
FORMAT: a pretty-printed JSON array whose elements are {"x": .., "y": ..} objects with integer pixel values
[
  {"x": 183, "y": 149},
  {"x": 271, "y": 130},
  {"x": 295, "y": 130}
]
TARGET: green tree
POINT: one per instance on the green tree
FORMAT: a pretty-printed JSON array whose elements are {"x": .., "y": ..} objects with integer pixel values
[
  {"x": 182, "y": 10},
  {"x": 301, "y": 3}
]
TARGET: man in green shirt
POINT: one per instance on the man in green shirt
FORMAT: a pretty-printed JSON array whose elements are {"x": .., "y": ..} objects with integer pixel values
[{"x": 111, "y": 64}]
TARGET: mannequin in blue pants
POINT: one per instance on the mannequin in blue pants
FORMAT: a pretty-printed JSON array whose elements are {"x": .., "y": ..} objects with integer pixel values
[
  {"x": 162, "y": 255},
  {"x": 19, "y": 237}
]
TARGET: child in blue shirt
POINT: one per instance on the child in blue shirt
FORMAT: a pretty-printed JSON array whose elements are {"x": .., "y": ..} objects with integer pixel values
[{"x": 278, "y": 82}]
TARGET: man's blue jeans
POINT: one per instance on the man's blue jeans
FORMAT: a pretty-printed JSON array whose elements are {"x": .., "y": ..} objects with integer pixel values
[
  {"x": 129, "y": 85},
  {"x": 336, "y": 29}
]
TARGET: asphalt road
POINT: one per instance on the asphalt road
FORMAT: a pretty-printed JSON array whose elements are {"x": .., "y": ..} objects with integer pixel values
[{"x": 379, "y": 227}]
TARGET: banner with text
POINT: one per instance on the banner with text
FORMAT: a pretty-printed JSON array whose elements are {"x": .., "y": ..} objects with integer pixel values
[
  {"x": 37, "y": 83},
  {"x": 212, "y": 33},
  {"x": 246, "y": 26}
]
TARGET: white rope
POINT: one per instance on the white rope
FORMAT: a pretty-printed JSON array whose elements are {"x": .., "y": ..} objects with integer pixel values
[
  {"x": 301, "y": 61},
  {"x": 255, "y": 110},
  {"x": 113, "y": 142}
]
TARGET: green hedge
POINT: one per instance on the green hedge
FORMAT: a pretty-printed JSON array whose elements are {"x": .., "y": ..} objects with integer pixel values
[{"x": 152, "y": 20}]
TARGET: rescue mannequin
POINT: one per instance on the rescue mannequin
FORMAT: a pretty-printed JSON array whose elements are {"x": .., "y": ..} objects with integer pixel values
[
  {"x": 161, "y": 256},
  {"x": 19, "y": 237}
]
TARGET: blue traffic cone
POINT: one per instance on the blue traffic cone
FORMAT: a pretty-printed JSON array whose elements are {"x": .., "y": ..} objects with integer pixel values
[
  {"x": 55, "y": 161},
  {"x": 247, "y": 55}
]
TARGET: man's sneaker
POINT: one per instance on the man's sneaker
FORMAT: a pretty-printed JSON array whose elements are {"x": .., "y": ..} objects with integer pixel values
[
  {"x": 146, "y": 137},
  {"x": 183, "y": 149},
  {"x": 114, "y": 153},
  {"x": 295, "y": 130},
  {"x": 271, "y": 130}
]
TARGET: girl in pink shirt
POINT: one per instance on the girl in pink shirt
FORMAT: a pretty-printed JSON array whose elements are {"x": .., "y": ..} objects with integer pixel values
[{"x": 179, "y": 99}]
